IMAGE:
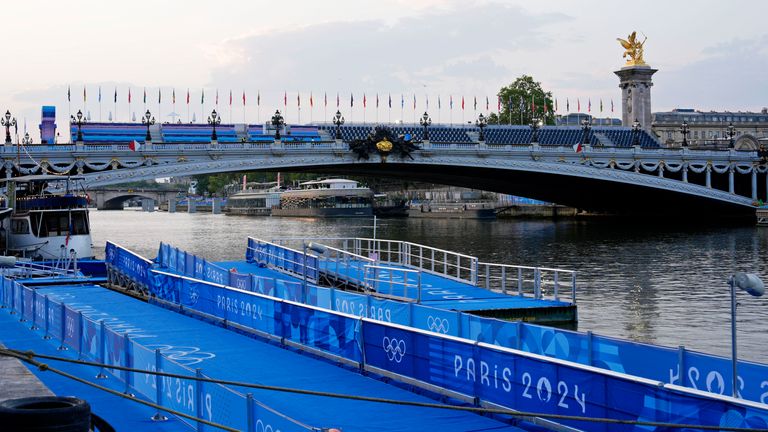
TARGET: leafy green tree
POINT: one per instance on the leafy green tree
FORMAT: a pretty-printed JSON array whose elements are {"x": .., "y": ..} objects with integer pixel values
[{"x": 522, "y": 101}]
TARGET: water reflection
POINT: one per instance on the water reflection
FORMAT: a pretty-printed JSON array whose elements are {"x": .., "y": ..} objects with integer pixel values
[{"x": 658, "y": 284}]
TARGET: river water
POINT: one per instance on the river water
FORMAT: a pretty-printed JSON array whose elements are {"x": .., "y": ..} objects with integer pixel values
[{"x": 664, "y": 285}]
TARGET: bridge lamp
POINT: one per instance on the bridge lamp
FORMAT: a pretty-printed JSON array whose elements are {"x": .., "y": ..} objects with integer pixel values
[
  {"x": 213, "y": 120},
  {"x": 338, "y": 120},
  {"x": 316, "y": 248},
  {"x": 752, "y": 284},
  {"x": 8, "y": 122},
  {"x": 586, "y": 127},
  {"x": 731, "y": 133},
  {"x": 77, "y": 119},
  {"x": 762, "y": 152},
  {"x": 148, "y": 120},
  {"x": 481, "y": 122},
  {"x": 425, "y": 121},
  {"x": 685, "y": 130},
  {"x": 535, "y": 126},
  {"x": 27, "y": 140},
  {"x": 636, "y": 133},
  {"x": 277, "y": 122}
]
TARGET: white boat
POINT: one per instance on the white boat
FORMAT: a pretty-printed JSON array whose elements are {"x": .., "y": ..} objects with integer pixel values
[
  {"x": 334, "y": 197},
  {"x": 45, "y": 218}
]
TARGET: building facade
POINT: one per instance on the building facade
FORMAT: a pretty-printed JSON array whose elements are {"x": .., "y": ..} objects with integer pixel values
[{"x": 710, "y": 129}]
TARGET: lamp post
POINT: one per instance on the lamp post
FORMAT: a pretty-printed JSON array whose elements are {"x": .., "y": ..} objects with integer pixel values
[
  {"x": 148, "y": 120},
  {"x": 425, "y": 121},
  {"x": 338, "y": 120},
  {"x": 586, "y": 128},
  {"x": 752, "y": 284},
  {"x": 535, "y": 130},
  {"x": 481, "y": 122},
  {"x": 79, "y": 120},
  {"x": 685, "y": 130},
  {"x": 636, "y": 133},
  {"x": 7, "y": 121},
  {"x": 762, "y": 152},
  {"x": 213, "y": 120},
  {"x": 731, "y": 133},
  {"x": 27, "y": 140},
  {"x": 277, "y": 122}
]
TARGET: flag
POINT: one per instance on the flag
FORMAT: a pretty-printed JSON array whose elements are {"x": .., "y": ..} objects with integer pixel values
[
  {"x": 365, "y": 101},
  {"x": 285, "y": 98},
  {"x": 462, "y": 103},
  {"x": 129, "y": 95},
  {"x": 390, "y": 100},
  {"x": 414, "y": 101},
  {"x": 577, "y": 148},
  {"x": 134, "y": 145},
  {"x": 325, "y": 99},
  {"x": 475, "y": 105},
  {"x": 115, "y": 95},
  {"x": 578, "y": 105},
  {"x": 99, "y": 93},
  {"x": 522, "y": 103},
  {"x": 311, "y": 100},
  {"x": 611, "y": 105},
  {"x": 145, "y": 95},
  {"x": 69, "y": 94},
  {"x": 402, "y": 101},
  {"x": 450, "y": 102},
  {"x": 498, "y": 102},
  {"x": 187, "y": 96},
  {"x": 298, "y": 100},
  {"x": 555, "y": 105},
  {"x": 426, "y": 97},
  {"x": 202, "y": 97},
  {"x": 351, "y": 100},
  {"x": 439, "y": 104},
  {"x": 601, "y": 104},
  {"x": 487, "y": 104},
  {"x": 173, "y": 96},
  {"x": 159, "y": 95},
  {"x": 84, "y": 98},
  {"x": 337, "y": 100},
  {"x": 589, "y": 105},
  {"x": 230, "y": 97},
  {"x": 567, "y": 105},
  {"x": 377, "y": 100}
]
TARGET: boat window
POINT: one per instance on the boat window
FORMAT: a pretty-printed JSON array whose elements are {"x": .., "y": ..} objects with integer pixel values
[
  {"x": 58, "y": 224},
  {"x": 19, "y": 226}
]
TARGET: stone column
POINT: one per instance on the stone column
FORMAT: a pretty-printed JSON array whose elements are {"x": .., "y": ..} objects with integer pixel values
[
  {"x": 685, "y": 174},
  {"x": 730, "y": 180},
  {"x": 709, "y": 177},
  {"x": 754, "y": 183},
  {"x": 635, "y": 84}
]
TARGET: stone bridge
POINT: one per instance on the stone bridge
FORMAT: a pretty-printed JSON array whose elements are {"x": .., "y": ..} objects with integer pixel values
[{"x": 115, "y": 198}]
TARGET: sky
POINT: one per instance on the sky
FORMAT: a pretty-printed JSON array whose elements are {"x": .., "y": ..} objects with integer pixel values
[{"x": 711, "y": 55}]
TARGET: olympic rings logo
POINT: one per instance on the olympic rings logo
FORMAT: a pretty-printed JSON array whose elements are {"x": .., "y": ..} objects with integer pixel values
[
  {"x": 437, "y": 325},
  {"x": 185, "y": 355},
  {"x": 395, "y": 349},
  {"x": 262, "y": 427}
]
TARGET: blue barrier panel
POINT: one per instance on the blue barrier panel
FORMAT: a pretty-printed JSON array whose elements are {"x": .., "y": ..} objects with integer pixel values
[
  {"x": 264, "y": 286},
  {"x": 130, "y": 264},
  {"x": 18, "y": 297},
  {"x": 267, "y": 419},
  {"x": 554, "y": 343},
  {"x": 181, "y": 261},
  {"x": 224, "y": 406},
  {"x": 216, "y": 274},
  {"x": 144, "y": 359},
  {"x": 282, "y": 258},
  {"x": 289, "y": 290},
  {"x": 178, "y": 394},
  {"x": 39, "y": 320},
  {"x": 115, "y": 352},
  {"x": 189, "y": 266},
  {"x": 350, "y": 303},
  {"x": 435, "y": 320},
  {"x": 239, "y": 281},
  {"x": 28, "y": 301},
  {"x": 490, "y": 331},
  {"x": 91, "y": 338},
  {"x": 389, "y": 310},
  {"x": 715, "y": 375},
  {"x": 71, "y": 328},
  {"x": 634, "y": 359},
  {"x": 250, "y": 250},
  {"x": 324, "y": 330},
  {"x": 199, "y": 272},
  {"x": 55, "y": 319}
]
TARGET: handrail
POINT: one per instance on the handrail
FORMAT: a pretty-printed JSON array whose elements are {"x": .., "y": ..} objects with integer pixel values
[
  {"x": 502, "y": 277},
  {"x": 387, "y": 277}
]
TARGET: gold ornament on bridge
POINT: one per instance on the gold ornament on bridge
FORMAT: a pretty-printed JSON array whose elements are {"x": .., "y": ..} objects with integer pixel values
[
  {"x": 633, "y": 50},
  {"x": 384, "y": 146}
]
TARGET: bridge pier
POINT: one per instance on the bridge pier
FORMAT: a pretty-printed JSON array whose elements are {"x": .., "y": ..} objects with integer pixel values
[
  {"x": 147, "y": 205},
  {"x": 172, "y": 205},
  {"x": 216, "y": 206},
  {"x": 191, "y": 206}
]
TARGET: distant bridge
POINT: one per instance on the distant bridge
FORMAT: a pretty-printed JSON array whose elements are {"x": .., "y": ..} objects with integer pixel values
[
  {"x": 626, "y": 179},
  {"x": 115, "y": 198}
]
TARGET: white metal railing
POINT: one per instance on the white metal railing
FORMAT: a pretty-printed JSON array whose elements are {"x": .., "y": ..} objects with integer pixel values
[
  {"x": 343, "y": 264},
  {"x": 525, "y": 280},
  {"x": 276, "y": 256},
  {"x": 529, "y": 281},
  {"x": 393, "y": 282}
]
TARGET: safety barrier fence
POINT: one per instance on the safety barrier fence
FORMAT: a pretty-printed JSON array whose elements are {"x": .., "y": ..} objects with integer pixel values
[
  {"x": 392, "y": 282},
  {"x": 289, "y": 260},
  {"x": 678, "y": 366},
  {"x": 476, "y": 372},
  {"x": 112, "y": 342},
  {"x": 535, "y": 282}
]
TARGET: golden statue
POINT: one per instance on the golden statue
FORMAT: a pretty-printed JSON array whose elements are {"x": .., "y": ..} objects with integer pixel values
[
  {"x": 384, "y": 146},
  {"x": 633, "y": 50}
]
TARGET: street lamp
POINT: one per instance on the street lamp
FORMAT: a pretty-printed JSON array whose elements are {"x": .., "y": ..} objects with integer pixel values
[
  {"x": 731, "y": 133},
  {"x": 636, "y": 133},
  {"x": 586, "y": 128},
  {"x": 535, "y": 125},
  {"x": 27, "y": 140},
  {"x": 426, "y": 121},
  {"x": 277, "y": 122},
  {"x": 148, "y": 120},
  {"x": 8, "y": 122},
  {"x": 338, "y": 120},
  {"x": 79, "y": 121},
  {"x": 482, "y": 122},
  {"x": 762, "y": 152},
  {"x": 752, "y": 284},
  {"x": 213, "y": 120},
  {"x": 685, "y": 130}
]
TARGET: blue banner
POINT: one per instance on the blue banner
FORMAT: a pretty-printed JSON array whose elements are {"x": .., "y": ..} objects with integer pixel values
[{"x": 130, "y": 264}]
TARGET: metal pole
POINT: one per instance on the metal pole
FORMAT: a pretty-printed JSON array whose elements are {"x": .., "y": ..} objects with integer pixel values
[
  {"x": 249, "y": 405},
  {"x": 304, "y": 273},
  {"x": 158, "y": 387},
  {"x": 63, "y": 347},
  {"x": 34, "y": 310},
  {"x": 733, "y": 338},
  {"x": 127, "y": 363},
  {"x": 47, "y": 317},
  {"x": 102, "y": 347}
]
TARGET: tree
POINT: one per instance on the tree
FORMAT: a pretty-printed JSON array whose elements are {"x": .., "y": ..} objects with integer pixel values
[{"x": 523, "y": 100}]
